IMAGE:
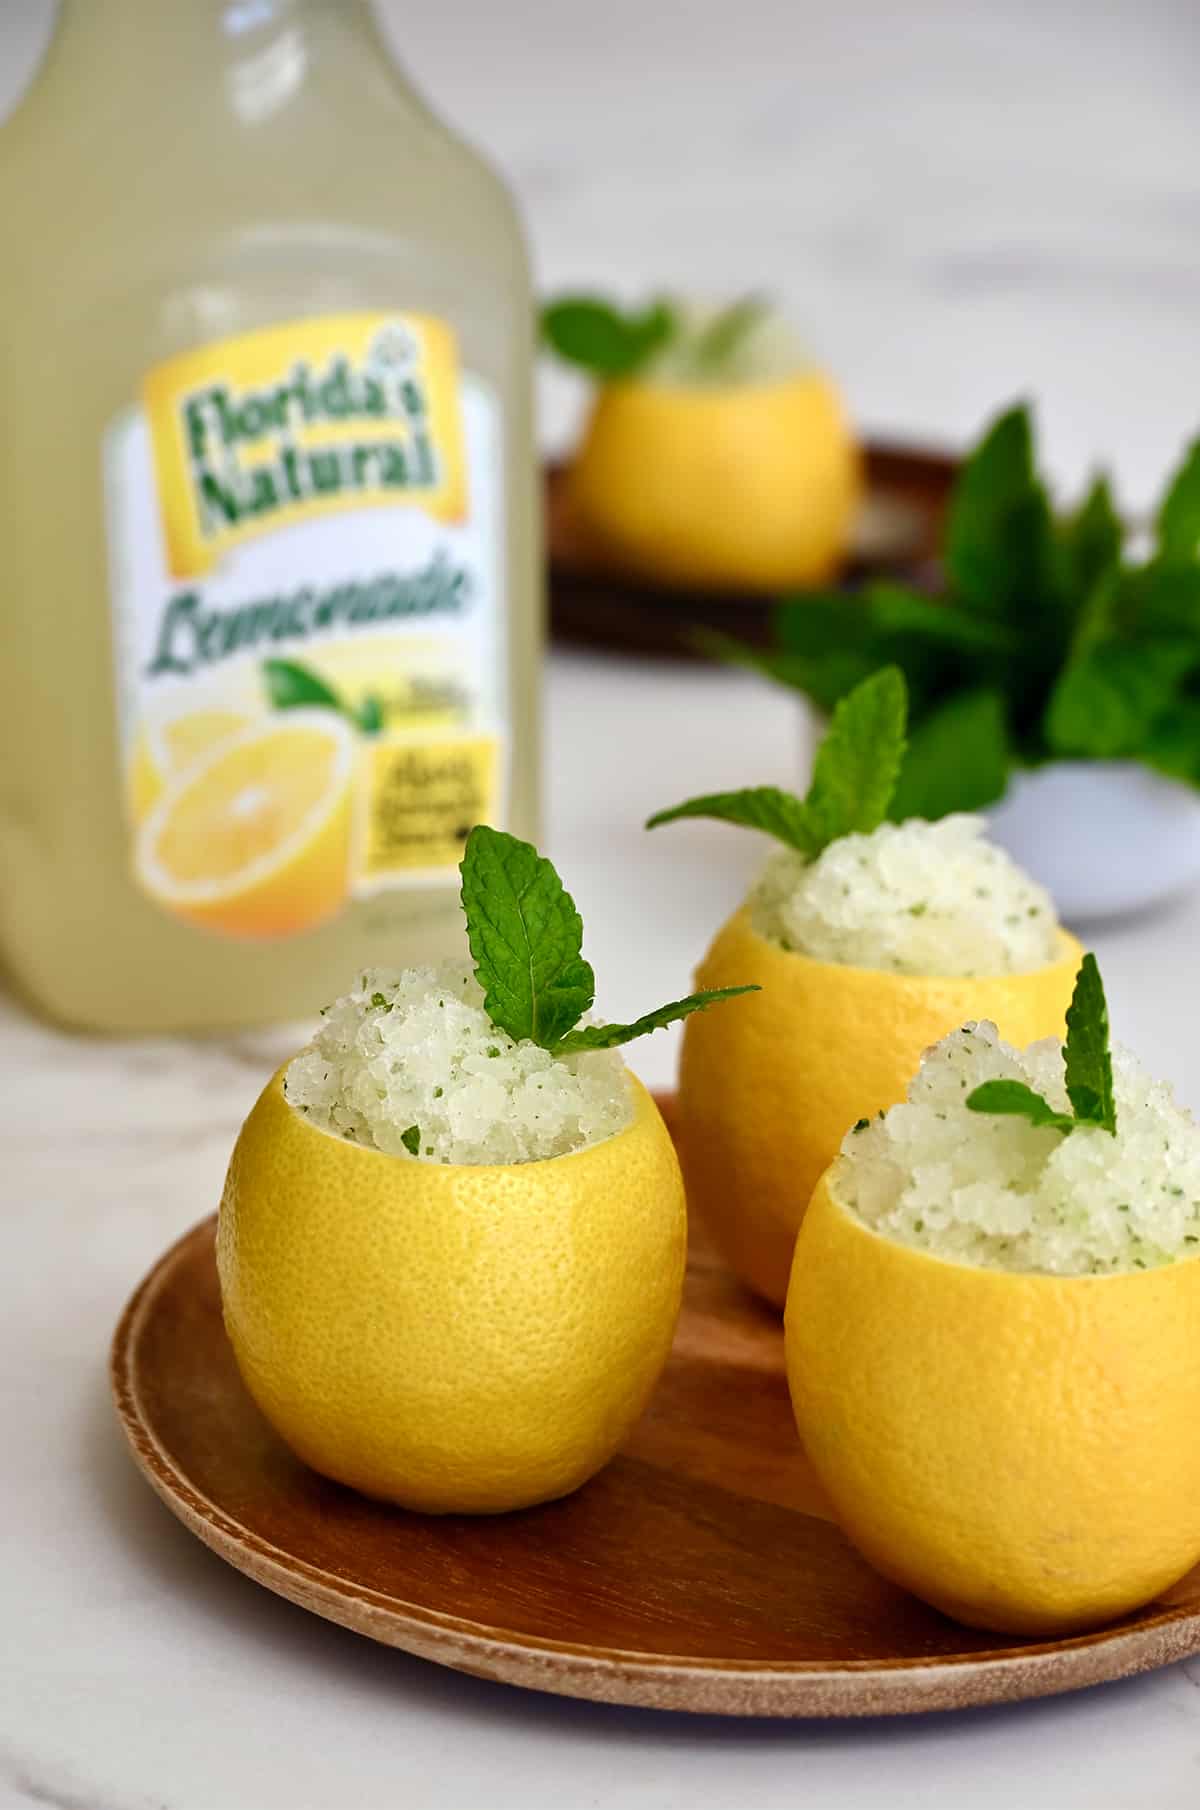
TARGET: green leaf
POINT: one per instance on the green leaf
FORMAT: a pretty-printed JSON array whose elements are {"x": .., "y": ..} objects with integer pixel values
[
  {"x": 1107, "y": 701},
  {"x": 526, "y": 938},
  {"x": 958, "y": 758},
  {"x": 588, "y": 331},
  {"x": 411, "y": 1139},
  {"x": 1086, "y": 1053},
  {"x": 608, "y": 1036},
  {"x": 779, "y": 813},
  {"x": 1173, "y": 746},
  {"x": 895, "y": 610},
  {"x": 1000, "y": 548},
  {"x": 858, "y": 763},
  {"x": 1093, "y": 538},
  {"x": 291, "y": 686},
  {"x": 1178, "y": 522},
  {"x": 724, "y": 335},
  {"x": 854, "y": 775},
  {"x": 1014, "y": 1099},
  {"x": 1164, "y": 600}
]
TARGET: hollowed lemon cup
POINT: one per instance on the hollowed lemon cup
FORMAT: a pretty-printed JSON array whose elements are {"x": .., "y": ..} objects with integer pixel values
[
  {"x": 452, "y": 1338},
  {"x": 767, "y": 1093},
  {"x": 1018, "y": 1450}
]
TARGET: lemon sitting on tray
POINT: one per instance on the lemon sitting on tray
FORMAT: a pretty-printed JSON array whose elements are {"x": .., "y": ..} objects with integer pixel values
[
  {"x": 453, "y": 1233},
  {"x": 991, "y": 1332},
  {"x": 254, "y": 839},
  {"x": 869, "y": 940},
  {"x": 716, "y": 455}
]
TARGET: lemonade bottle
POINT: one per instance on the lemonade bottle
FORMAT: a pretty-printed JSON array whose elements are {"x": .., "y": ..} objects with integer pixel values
[{"x": 270, "y": 600}]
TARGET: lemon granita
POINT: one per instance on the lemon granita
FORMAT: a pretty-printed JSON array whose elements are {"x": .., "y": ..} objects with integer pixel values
[
  {"x": 912, "y": 898},
  {"x": 414, "y": 1052},
  {"x": 1006, "y": 1193}
]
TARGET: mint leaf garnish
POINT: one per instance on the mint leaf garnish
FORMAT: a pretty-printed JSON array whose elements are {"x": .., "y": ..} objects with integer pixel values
[
  {"x": 527, "y": 940},
  {"x": 526, "y": 937},
  {"x": 858, "y": 763},
  {"x": 608, "y": 1036},
  {"x": 605, "y": 340},
  {"x": 1086, "y": 1052},
  {"x": 723, "y": 336},
  {"x": 1087, "y": 1062},
  {"x": 854, "y": 776},
  {"x": 411, "y": 1139},
  {"x": 781, "y": 814},
  {"x": 1016, "y": 1099}
]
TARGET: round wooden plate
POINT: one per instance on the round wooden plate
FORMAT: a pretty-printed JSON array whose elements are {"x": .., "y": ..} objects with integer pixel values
[{"x": 700, "y": 1571}]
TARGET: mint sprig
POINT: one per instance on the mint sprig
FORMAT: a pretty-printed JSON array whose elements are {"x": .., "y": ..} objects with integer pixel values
[
  {"x": 526, "y": 938},
  {"x": 854, "y": 776},
  {"x": 1087, "y": 1061},
  {"x": 604, "y": 340}
]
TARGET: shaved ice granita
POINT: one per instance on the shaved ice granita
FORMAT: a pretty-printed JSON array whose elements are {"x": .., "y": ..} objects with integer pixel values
[{"x": 870, "y": 940}]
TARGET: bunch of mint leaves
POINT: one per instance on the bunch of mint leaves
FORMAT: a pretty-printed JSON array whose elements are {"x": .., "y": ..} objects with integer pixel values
[
  {"x": 1087, "y": 1063},
  {"x": 1048, "y": 641},
  {"x": 526, "y": 938},
  {"x": 855, "y": 774}
]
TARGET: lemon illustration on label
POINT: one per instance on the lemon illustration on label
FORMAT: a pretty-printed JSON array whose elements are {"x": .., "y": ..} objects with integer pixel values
[
  {"x": 255, "y": 841},
  {"x": 163, "y": 753}
]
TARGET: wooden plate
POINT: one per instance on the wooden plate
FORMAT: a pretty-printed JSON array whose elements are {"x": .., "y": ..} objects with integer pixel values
[
  {"x": 591, "y": 604},
  {"x": 700, "y": 1571}
]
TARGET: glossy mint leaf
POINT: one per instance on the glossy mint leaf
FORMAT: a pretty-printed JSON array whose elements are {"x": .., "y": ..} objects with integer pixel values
[
  {"x": 1179, "y": 514},
  {"x": 291, "y": 686},
  {"x": 1107, "y": 701},
  {"x": 526, "y": 938},
  {"x": 779, "y": 813},
  {"x": 1013, "y": 1099},
  {"x": 1093, "y": 537},
  {"x": 1086, "y": 1053},
  {"x": 1000, "y": 547},
  {"x": 958, "y": 758},
  {"x": 605, "y": 340},
  {"x": 858, "y": 763},
  {"x": 608, "y": 1036}
]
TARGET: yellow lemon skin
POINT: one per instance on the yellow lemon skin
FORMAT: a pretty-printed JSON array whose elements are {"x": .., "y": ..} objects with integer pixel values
[
  {"x": 767, "y": 1092},
  {"x": 751, "y": 486},
  {"x": 451, "y": 1338},
  {"x": 1018, "y": 1450}
]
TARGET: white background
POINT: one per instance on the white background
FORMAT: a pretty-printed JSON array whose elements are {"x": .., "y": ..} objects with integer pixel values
[{"x": 960, "y": 202}]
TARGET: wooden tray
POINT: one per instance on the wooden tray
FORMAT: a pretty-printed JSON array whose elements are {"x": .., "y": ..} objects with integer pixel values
[
  {"x": 700, "y": 1571},
  {"x": 899, "y": 532}
]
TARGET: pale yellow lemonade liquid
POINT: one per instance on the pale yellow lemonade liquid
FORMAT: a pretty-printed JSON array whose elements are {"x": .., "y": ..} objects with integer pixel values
[{"x": 268, "y": 531}]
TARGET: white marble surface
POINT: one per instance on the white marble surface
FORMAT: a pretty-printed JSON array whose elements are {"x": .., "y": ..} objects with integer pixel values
[{"x": 962, "y": 202}]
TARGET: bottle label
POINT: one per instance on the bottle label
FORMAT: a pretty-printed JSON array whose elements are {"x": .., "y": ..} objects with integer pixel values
[{"x": 306, "y": 551}]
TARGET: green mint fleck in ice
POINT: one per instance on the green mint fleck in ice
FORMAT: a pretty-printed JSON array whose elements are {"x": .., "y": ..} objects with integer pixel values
[
  {"x": 1087, "y": 1062},
  {"x": 527, "y": 941},
  {"x": 411, "y": 1139},
  {"x": 854, "y": 776}
]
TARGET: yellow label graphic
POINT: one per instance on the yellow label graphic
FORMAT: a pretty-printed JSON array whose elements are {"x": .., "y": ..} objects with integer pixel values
[
  {"x": 422, "y": 800},
  {"x": 310, "y": 418}
]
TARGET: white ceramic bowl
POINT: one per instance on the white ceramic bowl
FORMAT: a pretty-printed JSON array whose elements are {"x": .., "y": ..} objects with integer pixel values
[{"x": 1105, "y": 837}]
